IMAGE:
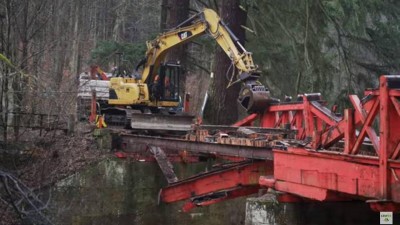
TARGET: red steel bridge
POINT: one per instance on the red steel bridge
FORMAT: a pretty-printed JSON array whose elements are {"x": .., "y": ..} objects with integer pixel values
[{"x": 302, "y": 149}]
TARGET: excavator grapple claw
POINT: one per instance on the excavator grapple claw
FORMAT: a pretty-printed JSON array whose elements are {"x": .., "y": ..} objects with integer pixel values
[{"x": 255, "y": 98}]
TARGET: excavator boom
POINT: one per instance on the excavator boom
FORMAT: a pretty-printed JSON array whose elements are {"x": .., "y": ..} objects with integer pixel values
[
  {"x": 206, "y": 22},
  {"x": 253, "y": 97},
  {"x": 158, "y": 85}
]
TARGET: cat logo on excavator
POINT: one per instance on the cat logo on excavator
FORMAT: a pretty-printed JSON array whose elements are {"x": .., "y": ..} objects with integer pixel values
[{"x": 184, "y": 34}]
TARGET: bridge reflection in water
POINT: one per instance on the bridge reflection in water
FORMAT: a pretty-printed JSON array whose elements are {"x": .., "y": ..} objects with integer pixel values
[{"x": 123, "y": 192}]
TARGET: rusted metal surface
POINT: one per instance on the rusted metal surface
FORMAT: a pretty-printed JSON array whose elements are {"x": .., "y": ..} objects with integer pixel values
[
  {"x": 128, "y": 141},
  {"x": 333, "y": 174},
  {"x": 254, "y": 129},
  {"x": 241, "y": 136},
  {"x": 314, "y": 175},
  {"x": 172, "y": 157},
  {"x": 244, "y": 174},
  {"x": 247, "y": 121},
  {"x": 165, "y": 165},
  {"x": 320, "y": 175}
]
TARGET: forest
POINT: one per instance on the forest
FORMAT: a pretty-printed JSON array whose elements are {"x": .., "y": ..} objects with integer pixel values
[{"x": 334, "y": 47}]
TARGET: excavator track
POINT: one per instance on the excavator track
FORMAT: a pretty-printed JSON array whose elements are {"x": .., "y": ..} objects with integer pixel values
[
  {"x": 136, "y": 120},
  {"x": 161, "y": 122}
]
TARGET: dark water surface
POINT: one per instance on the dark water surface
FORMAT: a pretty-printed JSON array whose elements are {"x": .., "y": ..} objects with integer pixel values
[{"x": 121, "y": 192}]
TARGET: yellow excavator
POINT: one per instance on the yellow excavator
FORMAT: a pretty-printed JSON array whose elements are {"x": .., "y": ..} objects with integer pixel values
[{"x": 157, "y": 87}]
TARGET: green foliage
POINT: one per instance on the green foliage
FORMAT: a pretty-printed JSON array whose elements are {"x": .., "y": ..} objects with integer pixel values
[
  {"x": 335, "y": 47},
  {"x": 106, "y": 53}
]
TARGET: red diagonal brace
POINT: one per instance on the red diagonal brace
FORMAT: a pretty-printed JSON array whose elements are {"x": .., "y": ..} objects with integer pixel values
[
  {"x": 349, "y": 132},
  {"x": 322, "y": 116},
  {"x": 247, "y": 121},
  {"x": 336, "y": 132},
  {"x": 367, "y": 129},
  {"x": 396, "y": 151},
  {"x": 395, "y": 104},
  {"x": 244, "y": 174}
]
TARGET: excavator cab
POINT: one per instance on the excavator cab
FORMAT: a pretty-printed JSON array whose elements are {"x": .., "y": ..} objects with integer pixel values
[{"x": 166, "y": 86}]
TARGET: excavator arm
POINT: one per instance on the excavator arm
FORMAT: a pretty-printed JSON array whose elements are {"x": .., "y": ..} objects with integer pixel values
[
  {"x": 253, "y": 97},
  {"x": 206, "y": 22}
]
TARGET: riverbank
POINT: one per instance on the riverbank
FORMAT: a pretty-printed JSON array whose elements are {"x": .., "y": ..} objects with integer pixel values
[{"x": 38, "y": 162}]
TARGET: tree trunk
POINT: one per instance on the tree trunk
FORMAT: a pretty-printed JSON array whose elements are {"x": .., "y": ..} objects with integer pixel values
[
  {"x": 7, "y": 47},
  {"x": 119, "y": 20},
  {"x": 59, "y": 56},
  {"x": 178, "y": 12},
  {"x": 164, "y": 14},
  {"x": 224, "y": 109},
  {"x": 76, "y": 39},
  {"x": 19, "y": 82}
]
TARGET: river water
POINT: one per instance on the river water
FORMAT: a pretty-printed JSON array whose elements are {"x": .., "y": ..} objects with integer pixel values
[{"x": 121, "y": 192}]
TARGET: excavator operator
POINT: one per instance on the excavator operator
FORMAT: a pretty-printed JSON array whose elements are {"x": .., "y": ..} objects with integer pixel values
[
  {"x": 168, "y": 87},
  {"x": 156, "y": 87}
]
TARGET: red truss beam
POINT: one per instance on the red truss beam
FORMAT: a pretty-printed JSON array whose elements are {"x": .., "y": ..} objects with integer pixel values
[
  {"x": 312, "y": 119},
  {"x": 307, "y": 117},
  {"x": 286, "y": 107},
  {"x": 323, "y": 175},
  {"x": 247, "y": 121},
  {"x": 242, "y": 175}
]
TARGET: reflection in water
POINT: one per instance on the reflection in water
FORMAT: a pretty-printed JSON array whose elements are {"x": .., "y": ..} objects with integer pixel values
[
  {"x": 122, "y": 192},
  {"x": 266, "y": 211}
]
